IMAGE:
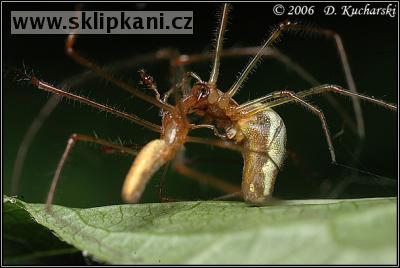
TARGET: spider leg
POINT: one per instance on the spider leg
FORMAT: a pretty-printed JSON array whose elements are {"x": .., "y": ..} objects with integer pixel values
[
  {"x": 212, "y": 127},
  {"x": 226, "y": 187},
  {"x": 345, "y": 65},
  {"x": 268, "y": 100},
  {"x": 274, "y": 53},
  {"x": 148, "y": 81},
  {"x": 185, "y": 60},
  {"x": 285, "y": 96},
  {"x": 46, "y": 87},
  {"x": 292, "y": 96},
  {"x": 70, "y": 50},
  {"x": 219, "y": 45},
  {"x": 288, "y": 26},
  {"x": 74, "y": 81},
  {"x": 180, "y": 165},
  {"x": 216, "y": 142},
  {"x": 71, "y": 142}
]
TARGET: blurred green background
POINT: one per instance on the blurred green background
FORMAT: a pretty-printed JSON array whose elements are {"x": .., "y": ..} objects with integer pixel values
[{"x": 91, "y": 178}]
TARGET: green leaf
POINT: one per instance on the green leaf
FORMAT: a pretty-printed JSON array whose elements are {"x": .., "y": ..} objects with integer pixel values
[
  {"x": 27, "y": 242},
  {"x": 359, "y": 231}
]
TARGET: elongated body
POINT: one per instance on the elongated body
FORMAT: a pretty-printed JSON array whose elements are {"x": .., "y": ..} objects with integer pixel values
[
  {"x": 155, "y": 154},
  {"x": 152, "y": 156},
  {"x": 263, "y": 137}
]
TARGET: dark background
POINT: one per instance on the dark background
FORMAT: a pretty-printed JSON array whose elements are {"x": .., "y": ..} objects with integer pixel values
[{"x": 91, "y": 178}]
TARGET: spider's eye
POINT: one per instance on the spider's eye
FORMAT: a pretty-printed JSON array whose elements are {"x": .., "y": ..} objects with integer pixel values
[
  {"x": 146, "y": 79},
  {"x": 203, "y": 93}
]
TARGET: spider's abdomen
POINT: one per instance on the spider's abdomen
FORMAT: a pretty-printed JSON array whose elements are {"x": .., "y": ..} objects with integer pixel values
[
  {"x": 152, "y": 156},
  {"x": 264, "y": 141}
]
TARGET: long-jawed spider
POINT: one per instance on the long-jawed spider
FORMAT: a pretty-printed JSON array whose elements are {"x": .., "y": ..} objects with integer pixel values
[{"x": 252, "y": 128}]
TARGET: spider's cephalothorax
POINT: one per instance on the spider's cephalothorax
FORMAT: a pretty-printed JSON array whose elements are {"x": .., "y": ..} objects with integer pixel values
[{"x": 205, "y": 104}]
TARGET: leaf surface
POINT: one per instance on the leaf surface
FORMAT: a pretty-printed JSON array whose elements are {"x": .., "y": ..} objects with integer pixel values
[{"x": 359, "y": 231}]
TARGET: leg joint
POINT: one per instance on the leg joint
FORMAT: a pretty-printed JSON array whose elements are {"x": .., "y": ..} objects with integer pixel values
[
  {"x": 73, "y": 137},
  {"x": 69, "y": 45}
]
